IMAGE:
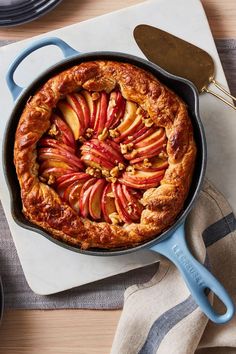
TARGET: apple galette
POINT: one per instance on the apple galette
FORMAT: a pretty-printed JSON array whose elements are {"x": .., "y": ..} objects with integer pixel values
[{"x": 104, "y": 155}]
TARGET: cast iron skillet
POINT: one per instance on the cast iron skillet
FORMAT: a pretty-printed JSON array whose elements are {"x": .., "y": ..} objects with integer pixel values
[{"x": 170, "y": 243}]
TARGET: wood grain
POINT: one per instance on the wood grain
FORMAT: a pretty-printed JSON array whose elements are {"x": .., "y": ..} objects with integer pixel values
[
  {"x": 58, "y": 332},
  {"x": 221, "y": 16},
  {"x": 81, "y": 331}
]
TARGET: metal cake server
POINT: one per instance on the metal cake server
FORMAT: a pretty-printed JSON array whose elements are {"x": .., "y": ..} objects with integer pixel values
[{"x": 180, "y": 58}]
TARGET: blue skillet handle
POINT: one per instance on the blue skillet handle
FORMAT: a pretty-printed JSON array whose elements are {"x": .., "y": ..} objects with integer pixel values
[
  {"x": 65, "y": 48},
  {"x": 196, "y": 276}
]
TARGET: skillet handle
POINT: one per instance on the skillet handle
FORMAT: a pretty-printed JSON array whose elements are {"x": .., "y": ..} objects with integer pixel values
[
  {"x": 197, "y": 277},
  {"x": 65, "y": 48}
]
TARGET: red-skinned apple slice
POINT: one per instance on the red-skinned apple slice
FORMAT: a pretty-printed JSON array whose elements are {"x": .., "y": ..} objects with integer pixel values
[
  {"x": 101, "y": 116},
  {"x": 149, "y": 140},
  {"x": 154, "y": 148},
  {"x": 50, "y": 142},
  {"x": 59, "y": 155},
  {"x": 139, "y": 135},
  {"x": 71, "y": 119},
  {"x": 53, "y": 163},
  {"x": 106, "y": 148},
  {"x": 95, "y": 198},
  {"x": 92, "y": 104},
  {"x": 132, "y": 203},
  {"x": 75, "y": 176},
  {"x": 84, "y": 197},
  {"x": 96, "y": 162},
  {"x": 115, "y": 110},
  {"x": 62, "y": 183},
  {"x": 74, "y": 196},
  {"x": 157, "y": 164},
  {"x": 76, "y": 106},
  {"x": 54, "y": 171},
  {"x": 148, "y": 156},
  {"x": 96, "y": 153},
  {"x": 66, "y": 135},
  {"x": 85, "y": 108},
  {"x": 128, "y": 121},
  {"x": 142, "y": 179},
  {"x": 108, "y": 203},
  {"x": 117, "y": 190}
]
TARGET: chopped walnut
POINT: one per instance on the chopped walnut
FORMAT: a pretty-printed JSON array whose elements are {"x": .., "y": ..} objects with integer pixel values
[
  {"x": 121, "y": 166},
  {"x": 148, "y": 122},
  {"x": 115, "y": 218},
  {"x": 53, "y": 130},
  {"x": 95, "y": 96},
  {"x": 51, "y": 180},
  {"x": 123, "y": 148},
  {"x": 114, "y": 133},
  {"x": 111, "y": 179},
  {"x": 95, "y": 172},
  {"x": 130, "y": 208},
  {"x": 89, "y": 133},
  {"x": 103, "y": 135},
  {"x": 163, "y": 155},
  {"x": 131, "y": 170},
  {"x": 106, "y": 173},
  {"x": 147, "y": 163},
  {"x": 126, "y": 148},
  {"x": 114, "y": 172}
]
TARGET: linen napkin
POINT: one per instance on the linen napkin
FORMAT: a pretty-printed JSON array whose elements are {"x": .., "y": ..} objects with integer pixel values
[{"x": 161, "y": 316}]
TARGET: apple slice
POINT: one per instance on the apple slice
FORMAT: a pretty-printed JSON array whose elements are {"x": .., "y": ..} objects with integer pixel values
[
  {"x": 128, "y": 121},
  {"x": 142, "y": 179},
  {"x": 66, "y": 135},
  {"x": 74, "y": 175},
  {"x": 85, "y": 108},
  {"x": 73, "y": 195},
  {"x": 148, "y": 150},
  {"x": 92, "y": 105},
  {"x": 71, "y": 119},
  {"x": 115, "y": 109},
  {"x": 108, "y": 149},
  {"x": 108, "y": 203},
  {"x": 50, "y": 142},
  {"x": 53, "y": 163},
  {"x": 76, "y": 106},
  {"x": 54, "y": 171},
  {"x": 96, "y": 162},
  {"x": 133, "y": 206},
  {"x": 65, "y": 181},
  {"x": 158, "y": 135},
  {"x": 139, "y": 135},
  {"x": 84, "y": 197},
  {"x": 56, "y": 154},
  {"x": 96, "y": 153},
  {"x": 95, "y": 198},
  {"x": 101, "y": 116},
  {"x": 117, "y": 190}
]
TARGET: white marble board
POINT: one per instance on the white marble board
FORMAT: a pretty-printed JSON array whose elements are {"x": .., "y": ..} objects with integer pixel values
[{"x": 49, "y": 268}]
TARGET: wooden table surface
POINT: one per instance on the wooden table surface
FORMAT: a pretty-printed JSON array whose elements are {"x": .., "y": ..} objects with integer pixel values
[{"x": 81, "y": 331}]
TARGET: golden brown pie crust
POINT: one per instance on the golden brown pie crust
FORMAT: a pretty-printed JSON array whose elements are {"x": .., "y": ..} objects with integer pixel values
[{"x": 43, "y": 206}]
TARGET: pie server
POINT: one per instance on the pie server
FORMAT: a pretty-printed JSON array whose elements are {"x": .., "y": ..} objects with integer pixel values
[
  {"x": 171, "y": 243},
  {"x": 180, "y": 58}
]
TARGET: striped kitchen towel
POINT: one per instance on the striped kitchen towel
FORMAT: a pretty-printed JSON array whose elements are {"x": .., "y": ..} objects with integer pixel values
[{"x": 161, "y": 316}]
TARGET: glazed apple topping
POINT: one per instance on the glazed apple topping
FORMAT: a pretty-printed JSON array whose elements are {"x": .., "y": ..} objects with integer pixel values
[{"x": 100, "y": 154}]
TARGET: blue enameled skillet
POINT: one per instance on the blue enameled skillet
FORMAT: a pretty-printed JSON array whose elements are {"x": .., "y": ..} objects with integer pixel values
[{"x": 171, "y": 243}]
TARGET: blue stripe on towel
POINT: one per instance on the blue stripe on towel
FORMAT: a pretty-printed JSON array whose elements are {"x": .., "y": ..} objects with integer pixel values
[{"x": 171, "y": 317}]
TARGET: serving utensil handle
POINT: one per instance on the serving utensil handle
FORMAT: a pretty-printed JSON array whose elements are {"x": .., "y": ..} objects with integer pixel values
[
  {"x": 198, "y": 279},
  {"x": 67, "y": 51},
  {"x": 222, "y": 89}
]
